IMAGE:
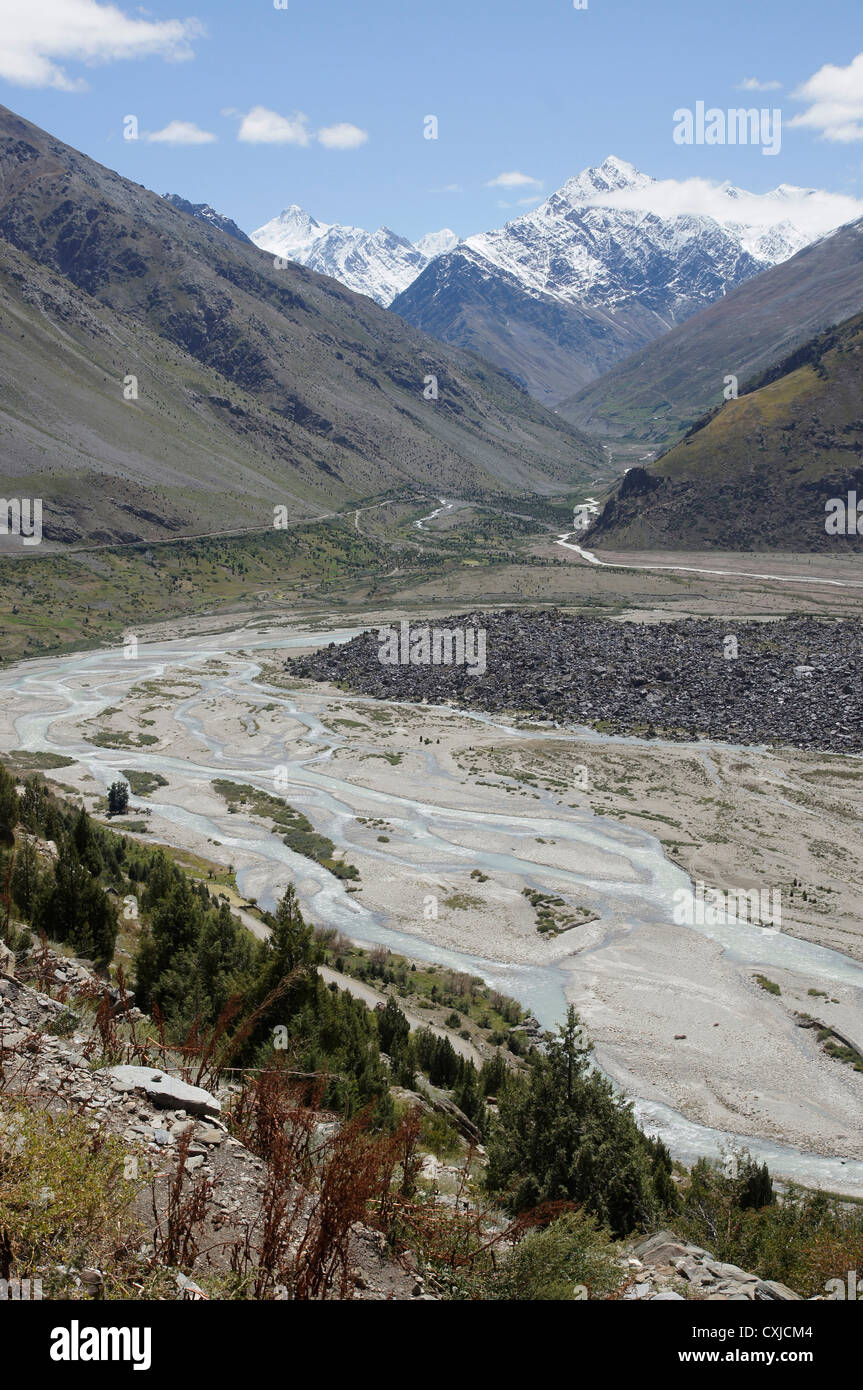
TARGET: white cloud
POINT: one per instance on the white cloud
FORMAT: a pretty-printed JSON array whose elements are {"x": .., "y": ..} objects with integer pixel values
[
  {"x": 260, "y": 126},
  {"x": 752, "y": 84},
  {"x": 835, "y": 97},
  {"x": 813, "y": 211},
  {"x": 343, "y": 136},
  {"x": 514, "y": 180},
  {"x": 263, "y": 127},
  {"x": 180, "y": 133},
  {"x": 39, "y": 39}
]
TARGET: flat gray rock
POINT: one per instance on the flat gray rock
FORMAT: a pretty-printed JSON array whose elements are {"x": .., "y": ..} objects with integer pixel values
[
  {"x": 670, "y": 1253},
  {"x": 166, "y": 1092},
  {"x": 733, "y": 1272},
  {"x": 771, "y": 1289},
  {"x": 662, "y": 1242}
]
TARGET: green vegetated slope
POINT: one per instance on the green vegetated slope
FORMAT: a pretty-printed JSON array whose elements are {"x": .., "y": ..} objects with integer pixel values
[
  {"x": 257, "y": 386},
  {"x": 758, "y": 472},
  {"x": 560, "y": 1151},
  {"x": 63, "y": 602},
  {"x": 658, "y": 392}
]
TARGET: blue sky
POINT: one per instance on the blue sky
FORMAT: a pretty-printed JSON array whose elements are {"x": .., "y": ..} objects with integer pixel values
[{"x": 528, "y": 87}]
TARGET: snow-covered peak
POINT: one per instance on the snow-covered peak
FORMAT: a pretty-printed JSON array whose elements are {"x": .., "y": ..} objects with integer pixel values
[
  {"x": 612, "y": 233},
  {"x": 437, "y": 243},
  {"x": 290, "y": 234},
  {"x": 380, "y": 264},
  {"x": 609, "y": 177},
  {"x": 608, "y": 235}
]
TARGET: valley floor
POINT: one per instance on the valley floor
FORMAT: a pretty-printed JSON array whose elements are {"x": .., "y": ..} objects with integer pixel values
[{"x": 452, "y": 819}]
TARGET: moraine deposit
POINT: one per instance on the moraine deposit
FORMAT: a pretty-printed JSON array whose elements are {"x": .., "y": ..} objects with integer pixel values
[{"x": 795, "y": 681}]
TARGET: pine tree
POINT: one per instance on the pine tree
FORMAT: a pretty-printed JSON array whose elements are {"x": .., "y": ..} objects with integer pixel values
[
  {"x": 757, "y": 1187},
  {"x": 9, "y": 808},
  {"x": 393, "y": 1028},
  {"x": 292, "y": 939},
  {"x": 564, "y": 1135}
]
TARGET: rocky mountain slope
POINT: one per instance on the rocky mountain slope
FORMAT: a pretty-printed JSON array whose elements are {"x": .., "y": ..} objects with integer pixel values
[
  {"x": 596, "y": 272},
  {"x": 205, "y": 213},
  {"x": 163, "y": 377},
  {"x": 380, "y": 264},
  {"x": 759, "y": 472},
  {"x": 650, "y": 399},
  {"x": 546, "y": 344},
  {"x": 197, "y": 1199}
]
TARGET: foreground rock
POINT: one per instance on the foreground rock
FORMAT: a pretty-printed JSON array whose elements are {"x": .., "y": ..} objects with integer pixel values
[
  {"x": 665, "y": 1269},
  {"x": 796, "y": 681},
  {"x": 163, "y": 1091}
]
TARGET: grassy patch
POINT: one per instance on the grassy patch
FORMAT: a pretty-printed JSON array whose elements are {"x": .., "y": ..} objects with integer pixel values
[
  {"x": 142, "y": 783},
  {"x": 462, "y": 902},
  {"x": 551, "y": 920},
  {"x": 116, "y": 738},
  {"x": 296, "y": 830},
  {"x": 21, "y": 760},
  {"x": 64, "y": 1200}
]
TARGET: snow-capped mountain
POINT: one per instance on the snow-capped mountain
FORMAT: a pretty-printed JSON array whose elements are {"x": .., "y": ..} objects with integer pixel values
[
  {"x": 436, "y": 243},
  {"x": 380, "y": 264},
  {"x": 605, "y": 265},
  {"x": 603, "y": 235}
]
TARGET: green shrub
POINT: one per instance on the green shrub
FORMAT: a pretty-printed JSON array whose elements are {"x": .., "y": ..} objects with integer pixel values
[
  {"x": 568, "y": 1260},
  {"x": 440, "y": 1136},
  {"x": 64, "y": 1198}
]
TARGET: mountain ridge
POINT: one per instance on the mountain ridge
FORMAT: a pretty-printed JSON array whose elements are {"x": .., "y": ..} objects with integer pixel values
[
  {"x": 379, "y": 264},
  {"x": 207, "y": 214},
  {"x": 652, "y": 397},
  {"x": 256, "y": 386},
  {"x": 767, "y": 468},
  {"x": 619, "y": 273}
]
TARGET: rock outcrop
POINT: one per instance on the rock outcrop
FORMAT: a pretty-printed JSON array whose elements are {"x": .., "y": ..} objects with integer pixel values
[
  {"x": 665, "y": 1269},
  {"x": 163, "y": 1091}
]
